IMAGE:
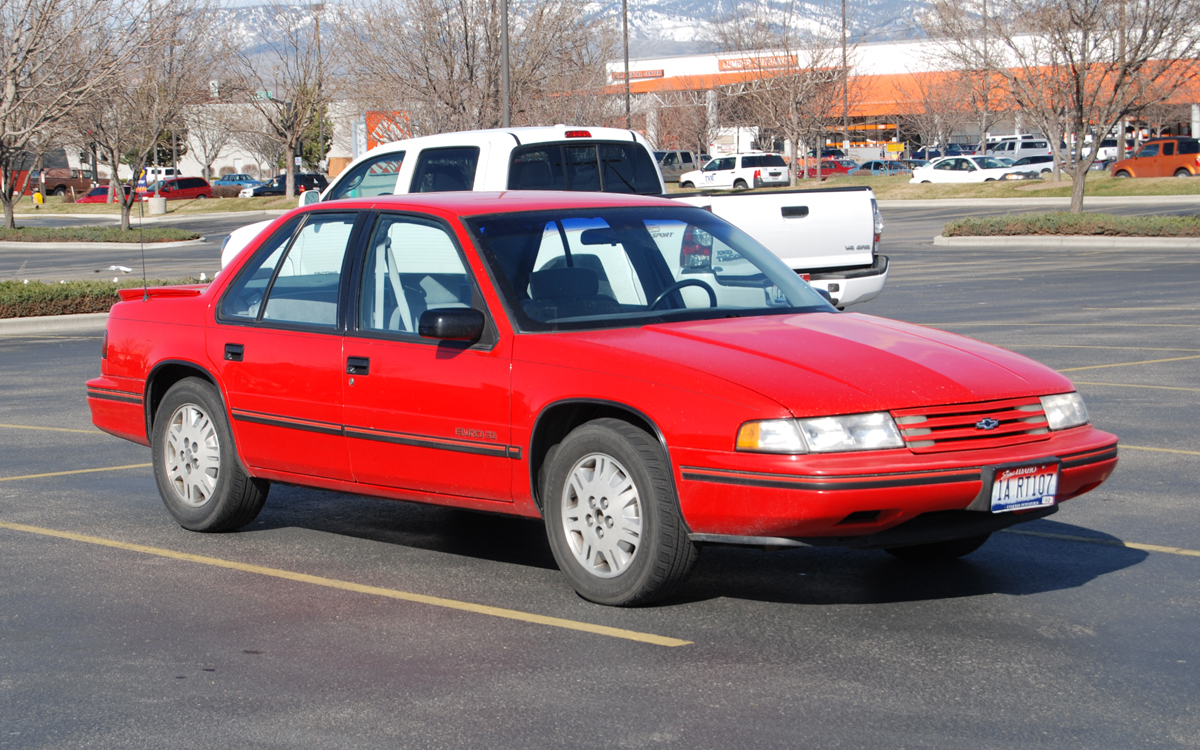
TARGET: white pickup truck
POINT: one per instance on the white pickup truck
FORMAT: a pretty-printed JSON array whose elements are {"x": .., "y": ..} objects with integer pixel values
[{"x": 830, "y": 236}]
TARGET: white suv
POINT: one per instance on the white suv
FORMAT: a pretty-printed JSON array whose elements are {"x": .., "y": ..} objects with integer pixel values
[
  {"x": 1013, "y": 148},
  {"x": 739, "y": 172}
]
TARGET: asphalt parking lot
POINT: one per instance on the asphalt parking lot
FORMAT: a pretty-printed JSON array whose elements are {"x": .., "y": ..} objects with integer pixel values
[{"x": 342, "y": 622}]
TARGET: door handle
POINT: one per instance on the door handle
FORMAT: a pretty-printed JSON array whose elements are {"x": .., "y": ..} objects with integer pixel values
[
  {"x": 234, "y": 352},
  {"x": 358, "y": 366}
]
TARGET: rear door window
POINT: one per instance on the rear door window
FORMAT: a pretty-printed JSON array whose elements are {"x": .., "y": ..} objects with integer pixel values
[
  {"x": 1168, "y": 148},
  {"x": 445, "y": 170}
]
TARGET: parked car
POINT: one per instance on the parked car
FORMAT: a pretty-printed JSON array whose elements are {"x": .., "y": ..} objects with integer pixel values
[
  {"x": 232, "y": 180},
  {"x": 636, "y": 372},
  {"x": 752, "y": 169},
  {"x": 1016, "y": 149},
  {"x": 59, "y": 181},
  {"x": 674, "y": 163},
  {"x": 100, "y": 195},
  {"x": 828, "y": 153},
  {"x": 878, "y": 168},
  {"x": 1162, "y": 157},
  {"x": 964, "y": 169},
  {"x": 277, "y": 185},
  {"x": 911, "y": 164},
  {"x": 832, "y": 167},
  {"x": 1101, "y": 166},
  {"x": 829, "y": 236},
  {"x": 934, "y": 152},
  {"x": 1109, "y": 150},
  {"x": 1044, "y": 164},
  {"x": 179, "y": 188}
]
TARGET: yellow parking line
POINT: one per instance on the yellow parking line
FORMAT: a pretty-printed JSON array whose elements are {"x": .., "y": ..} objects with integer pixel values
[
  {"x": 76, "y": 471},
  {"x": 333, "y": 583},
  {"x": 1135, "y": 385},
  {"x": 1127, "y": 364},
  {"x": 1158, "y": 450},
  {"x": 1110, "y": 542},
  {"x": 51, "y": 429}
]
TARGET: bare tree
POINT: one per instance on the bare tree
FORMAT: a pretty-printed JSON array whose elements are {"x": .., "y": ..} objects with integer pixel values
[
  {"x": 148, "y": 98},
  {"x": 935, "y": 106},
  {"x": 211, "y": 127},
  {"x": 56, "y": 54},
  {"x": 266, "y": 148},
  {"x": 792, "y": 83},
  {"x": 687, "y": 116},
  {"x": 439, "y": 60},
  {"x": 1075, "y": 68},
  {"x": 289, "y": 77}
]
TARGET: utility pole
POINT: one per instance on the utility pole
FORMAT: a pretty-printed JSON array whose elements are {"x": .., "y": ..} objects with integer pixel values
[
  {"x": 505, "y": 102},
  {"x": 845, "y": 87},
  {"x": 625, "y": 26},
  {"x": 317, "y": 8}
]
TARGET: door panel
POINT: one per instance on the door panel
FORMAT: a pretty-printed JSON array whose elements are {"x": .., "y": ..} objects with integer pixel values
[{"x": 423, "y": 415}]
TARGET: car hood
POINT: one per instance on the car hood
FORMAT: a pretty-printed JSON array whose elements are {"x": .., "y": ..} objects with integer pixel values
[{"x": 834, "y": 363}]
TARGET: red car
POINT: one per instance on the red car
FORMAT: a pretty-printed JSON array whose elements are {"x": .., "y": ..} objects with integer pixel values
[
  {"x": 833, "y": 166},
  {"x": 180, "y": 188},
  {"x": 639, "y": 373},
  {"x": 100, "y": 195}
]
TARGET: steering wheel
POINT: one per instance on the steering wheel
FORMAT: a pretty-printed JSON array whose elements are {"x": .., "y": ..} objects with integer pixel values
[{"x": 712, "y": 296}]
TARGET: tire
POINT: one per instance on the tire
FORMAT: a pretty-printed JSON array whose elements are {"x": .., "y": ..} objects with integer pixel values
[
  {"x": 60, "y": 191},
  {"x": 648, "y": 553},
  {"x": 1121, "y": 175},
  {"x": 740, "y": 185},
  {"x": 201, "y": 197},
  {"x": 1182, "y": 173},
  {"x": 926, "y": 182},
  {"x": 207, "y": 490},
  {"x": 687, "y": 186},
  {"x": 936, "y": 551},
  {"x": 990, "y": 179}
]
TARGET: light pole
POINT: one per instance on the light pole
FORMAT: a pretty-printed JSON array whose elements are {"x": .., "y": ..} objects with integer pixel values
[
  {"x": 505, "y": 103},
  {"x": 625, "y": 27},
  {"x": 845, "y": 87}
]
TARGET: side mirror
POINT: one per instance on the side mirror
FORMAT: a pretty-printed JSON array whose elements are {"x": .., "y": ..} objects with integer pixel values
[
  {"x": 453, "y": 324},
  {"x": 309, "y": 197}
]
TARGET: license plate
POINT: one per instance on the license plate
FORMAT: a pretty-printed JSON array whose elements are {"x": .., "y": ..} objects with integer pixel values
[{"x": 1020, "y": 487}]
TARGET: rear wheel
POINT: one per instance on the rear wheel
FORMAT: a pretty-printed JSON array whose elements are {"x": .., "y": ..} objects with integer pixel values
[
  {"x": 201, "y": 197},
  {"x": 612, "y": 516},
  {"x": 1182, "y": 173},
  {"x": 936, "y": 551},
  {"x": 60, "y": 191},
  {"x": 926, "y": 182},
  {"x": 195, "y": 463},
  {"x": 1122, "y": 174},
  {"x": 740, "y": 185},
  {"x": 687, "y": 185}
]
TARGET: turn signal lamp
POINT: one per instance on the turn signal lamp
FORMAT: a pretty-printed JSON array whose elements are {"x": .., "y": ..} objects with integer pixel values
[{"x": 770, "y": 436}]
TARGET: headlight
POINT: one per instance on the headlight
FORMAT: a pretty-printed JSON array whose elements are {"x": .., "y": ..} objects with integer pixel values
[
  {"x": 852, "y": 432},
  {"x": 1064, "y": 410}
]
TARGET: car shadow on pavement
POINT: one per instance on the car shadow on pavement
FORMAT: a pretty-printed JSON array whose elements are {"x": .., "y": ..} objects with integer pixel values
[
  {"x": 486, "y": 536},
  {"x": 1009, "y": 563}
]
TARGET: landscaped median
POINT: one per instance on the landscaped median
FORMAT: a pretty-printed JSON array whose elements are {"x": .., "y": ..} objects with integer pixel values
[
  {"x": 34, "y": 298},
  {"x": 147, "y": 235},
  {"x": 1060, "y": 229}
]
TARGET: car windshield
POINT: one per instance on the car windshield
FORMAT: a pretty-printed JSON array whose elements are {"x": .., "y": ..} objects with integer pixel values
[
  {"x": 588, "y": 268},
  {"x": 987, "y": 162}
]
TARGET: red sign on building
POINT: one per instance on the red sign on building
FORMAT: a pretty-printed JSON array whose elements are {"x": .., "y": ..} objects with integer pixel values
[{"x": 385, "y": 127}]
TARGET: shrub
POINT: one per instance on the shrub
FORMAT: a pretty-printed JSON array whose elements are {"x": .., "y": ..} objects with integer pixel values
[
  {"x": 1060, "y": 223},
  {"x": 19, "y": 300}
]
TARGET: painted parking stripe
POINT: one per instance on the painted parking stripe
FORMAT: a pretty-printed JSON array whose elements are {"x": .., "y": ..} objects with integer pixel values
[
  {"x": 50, "y": 429},
  {"x": 333, "y": 583},
  {"x": 76, "y": 471},
  {"x": 1158, "y": 450},
  {"x": 1108, "y": 542},
  {"x": 1128, "y": 364},
  {"x": 1136, "y": 385}
]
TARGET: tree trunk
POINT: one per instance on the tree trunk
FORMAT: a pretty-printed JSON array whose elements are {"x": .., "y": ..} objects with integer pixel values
[
  {"x": 10, "y": 221},
  {"x": 289, "y": 155},
  {"x": 1077, "y": 187}
]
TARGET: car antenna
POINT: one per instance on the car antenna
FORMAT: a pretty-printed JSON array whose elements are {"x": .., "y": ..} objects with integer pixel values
[{"x": 142, "y": 245}]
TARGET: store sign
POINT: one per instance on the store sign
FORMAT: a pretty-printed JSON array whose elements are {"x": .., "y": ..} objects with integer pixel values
[
  {"x": 619, "y": 75},
  {"x": 772, "y": 62},
  {"x": 385, "y": 127}
]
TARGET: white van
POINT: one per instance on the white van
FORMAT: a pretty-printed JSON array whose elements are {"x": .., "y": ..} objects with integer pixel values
[{"x": 1014, "y": 148}]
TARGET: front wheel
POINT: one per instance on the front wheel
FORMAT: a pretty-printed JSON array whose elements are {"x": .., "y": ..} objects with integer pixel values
[
  {"x": 936, "y": 551},
  {"x": 195, "y": 463},
  {"x": 201, "y": 197},
  {"x": 926, "y": 182},
  {"x": 687, "y": 186},
  {"x": 1121, "y": 175},
  {"x": 612, "y": 516},
  {"x": 60, "y": 191}
]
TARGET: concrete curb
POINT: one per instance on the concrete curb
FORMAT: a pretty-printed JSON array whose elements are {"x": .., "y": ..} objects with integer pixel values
[
  {"x": 1090, "y": 202},
  {"x": 100, "y": 245},
  {"x": 1182, "y": 243},
  {"x": 84, "y": 323}
]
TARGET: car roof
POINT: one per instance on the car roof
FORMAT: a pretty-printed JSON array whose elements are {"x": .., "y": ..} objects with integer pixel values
[
  {"x": 514, "y": 136},
  {"x": 471, "y": 203}
]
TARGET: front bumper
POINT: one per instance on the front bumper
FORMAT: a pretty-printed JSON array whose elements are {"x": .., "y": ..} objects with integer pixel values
[{"x": 848, "y": 498}]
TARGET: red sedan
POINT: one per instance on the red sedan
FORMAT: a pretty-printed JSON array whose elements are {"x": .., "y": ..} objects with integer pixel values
[
  {"x": 830, "y": 167},
  {"x": 100, "y": 195},
  {"x": 640, "y": 374}
]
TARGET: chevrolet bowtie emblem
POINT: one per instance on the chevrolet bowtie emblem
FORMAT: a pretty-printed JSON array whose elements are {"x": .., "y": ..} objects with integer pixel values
[{"x": 987, "y": 424}]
